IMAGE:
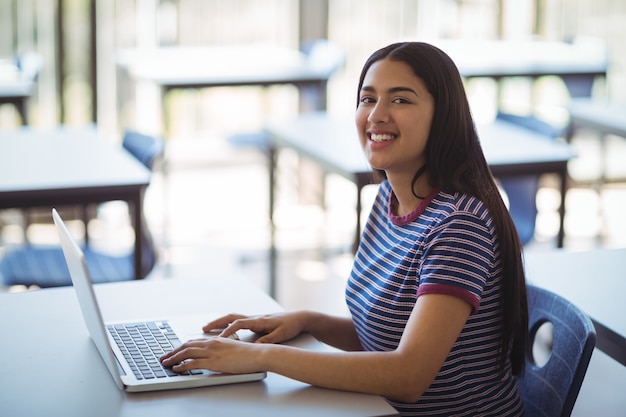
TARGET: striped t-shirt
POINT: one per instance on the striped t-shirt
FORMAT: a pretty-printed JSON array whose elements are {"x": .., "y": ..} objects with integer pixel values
[{"x": 447, "y": 245}]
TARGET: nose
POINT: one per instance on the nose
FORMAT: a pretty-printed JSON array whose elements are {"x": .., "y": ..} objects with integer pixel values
[{"x": 379, "y": 113}]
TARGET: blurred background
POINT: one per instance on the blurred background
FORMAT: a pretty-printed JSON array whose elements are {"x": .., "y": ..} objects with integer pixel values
[
  {"x": 207, "y": 204},
  {"x": 81, "y": 82}
]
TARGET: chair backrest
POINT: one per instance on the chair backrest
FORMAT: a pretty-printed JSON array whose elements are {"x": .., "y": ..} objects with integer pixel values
[
  {"x": 147, "y": 149},
  {"x": 522, "y": 191},
  {"x": 551, "y": 389},
  {"x": 532, "y": 123},
  {"x": 29, "y": 64},
  {"x": 323, "y": 55}
]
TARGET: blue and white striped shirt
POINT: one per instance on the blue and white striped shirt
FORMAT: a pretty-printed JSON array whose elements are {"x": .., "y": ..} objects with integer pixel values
[{"x": 447, "y": 245}]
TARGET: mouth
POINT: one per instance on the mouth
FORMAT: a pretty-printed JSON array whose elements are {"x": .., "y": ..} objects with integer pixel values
[{"x": 381, "y": 137}]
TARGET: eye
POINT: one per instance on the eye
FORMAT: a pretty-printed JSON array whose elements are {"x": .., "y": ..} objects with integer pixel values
[
  {"x": 367, "y": 100},
  {"x": 400, "y": 100}
]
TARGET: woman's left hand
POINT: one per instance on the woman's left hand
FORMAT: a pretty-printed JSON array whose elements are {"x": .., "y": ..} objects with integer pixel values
[{"x": 217, "y": 354}]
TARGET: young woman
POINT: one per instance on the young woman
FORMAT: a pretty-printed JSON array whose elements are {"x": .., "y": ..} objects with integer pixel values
[{"x": 437, "y": 292}]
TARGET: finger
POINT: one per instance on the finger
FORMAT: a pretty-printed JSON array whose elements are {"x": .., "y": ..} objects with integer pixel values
[
  {"x": 182, "y": 366},
  {"x": 188, "y": 352},
  {"x": 275, "y": 336},
  {"x": 221, "y": 323},
  {"x": 188, "y": 365},
  {"x": 171, "y": 353},
  {"x": 268, "y": 338},
  {"x": 167, "y": 355},
  {"x": 229, "y": 331},
  {"x": 171, "y": 360},
  {"x": 191, "y": 343},
  {"x": 252, "y": 324}
]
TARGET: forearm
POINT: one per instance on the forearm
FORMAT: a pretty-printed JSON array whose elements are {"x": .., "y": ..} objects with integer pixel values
[
  {"x": 338, "y": 332},
  {"x": 402, "y": 374},
  {"x": 387, "y": 374}
]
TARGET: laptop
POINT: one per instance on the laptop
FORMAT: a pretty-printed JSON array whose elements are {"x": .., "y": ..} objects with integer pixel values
[{"x": 130, "y": 349}]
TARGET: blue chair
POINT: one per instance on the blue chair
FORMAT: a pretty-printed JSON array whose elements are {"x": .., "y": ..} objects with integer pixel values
[
  {"x": 522, "y": 191},
  {"x": 147, "y": 149},
  {"x": 551, "y": 389},
  {"x": 45, "y": 266},
  {"x": 29, "y": 65}
]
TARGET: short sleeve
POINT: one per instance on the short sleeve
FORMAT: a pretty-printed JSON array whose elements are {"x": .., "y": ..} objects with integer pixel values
[{"x": 459, "y": 257}]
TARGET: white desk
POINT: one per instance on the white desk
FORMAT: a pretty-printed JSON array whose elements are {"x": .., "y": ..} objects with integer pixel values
[
  {"x": 180, "y": 67},
  {"x": 51, "y": 367},
  {"x": 253, "y": 64},
  {"x": 67, "y": 165},
  {"x": 577, "y": 63},
  {"x": 605, "y": 117},
  {"x": 595, "y": 281}
]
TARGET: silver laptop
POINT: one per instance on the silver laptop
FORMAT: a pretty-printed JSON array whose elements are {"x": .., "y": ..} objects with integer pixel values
[{"x": 131, "y": 349}]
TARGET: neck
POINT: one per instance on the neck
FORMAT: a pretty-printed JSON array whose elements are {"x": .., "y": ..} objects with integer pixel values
[{"x": 406, "y": 200}]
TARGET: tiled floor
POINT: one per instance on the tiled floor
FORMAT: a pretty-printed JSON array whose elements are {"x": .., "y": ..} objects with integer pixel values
[{"x": 210, "y": 217}]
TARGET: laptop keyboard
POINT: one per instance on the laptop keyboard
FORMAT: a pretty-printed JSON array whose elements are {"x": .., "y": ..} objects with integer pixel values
[{"x": 142, "y": 344}]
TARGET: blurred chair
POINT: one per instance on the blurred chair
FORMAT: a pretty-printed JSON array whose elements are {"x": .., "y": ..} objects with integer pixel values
[
  {"x": 147, "y": 149},
  {"x": 323, "y": 57},
  {"x": 45, "y": 266},
  {"x": 522, "y": 191},
  {"x": 551, "y": 389},
  {"x": 581, "y": 85},
  {"x": 28, "y": 65}
]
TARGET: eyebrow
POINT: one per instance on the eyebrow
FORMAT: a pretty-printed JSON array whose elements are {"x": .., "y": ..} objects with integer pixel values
[{"x": 392, "y": 90}]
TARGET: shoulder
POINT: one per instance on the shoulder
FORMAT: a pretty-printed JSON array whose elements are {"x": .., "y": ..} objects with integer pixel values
[
  {"x": 461, "y": 210},
  {"x": 452, "y": 203},
  {"x": 461, "y": 224}
]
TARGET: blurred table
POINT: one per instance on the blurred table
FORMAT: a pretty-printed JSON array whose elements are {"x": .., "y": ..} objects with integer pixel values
[
  {"x": 194, "y": 67},
  {"x": 67, "y": 166},
  {"x": 604, "y": 117},
  {"x": 595, "y": 281},
  {"x": 333, "y": 144},
  {"x": 601, "y": 117},
  {"x": 53, "y": 369},
  {"x": 577, "y": 63}
]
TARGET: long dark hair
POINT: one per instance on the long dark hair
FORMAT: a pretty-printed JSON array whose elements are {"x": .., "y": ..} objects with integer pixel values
[{"x": 455, "y": 162}]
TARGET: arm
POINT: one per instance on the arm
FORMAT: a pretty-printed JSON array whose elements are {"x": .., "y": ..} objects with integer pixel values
[
  {"x": 403, "y": 374},
  {"x": 338, "y": 332}
]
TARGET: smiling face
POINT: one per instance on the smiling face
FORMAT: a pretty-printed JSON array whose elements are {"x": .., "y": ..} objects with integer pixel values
[{"x": 393, "y": 118}]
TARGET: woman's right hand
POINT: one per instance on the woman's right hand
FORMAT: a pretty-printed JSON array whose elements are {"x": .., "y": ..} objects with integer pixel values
[{"x": 273, "y": 328}]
